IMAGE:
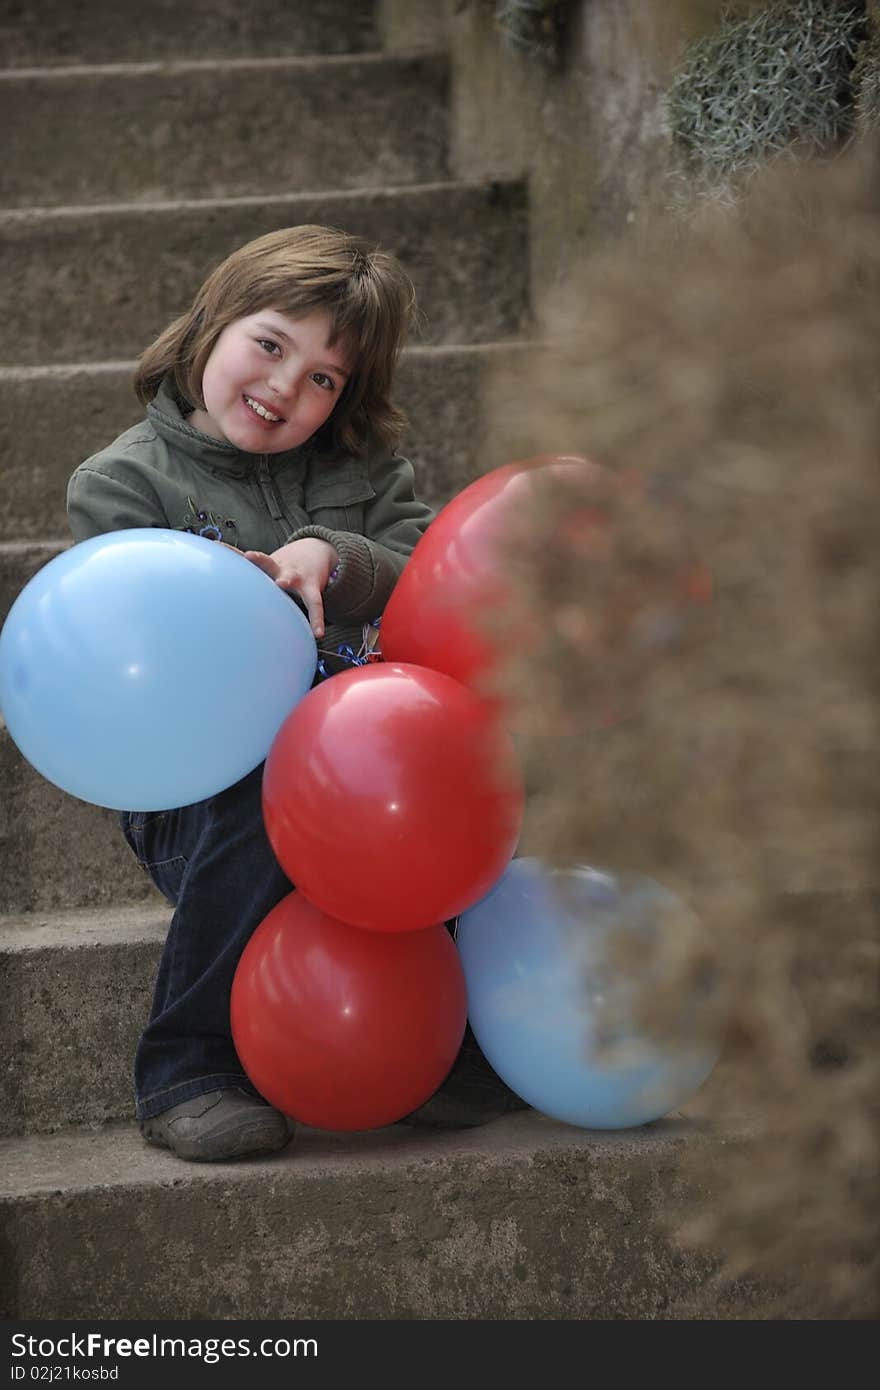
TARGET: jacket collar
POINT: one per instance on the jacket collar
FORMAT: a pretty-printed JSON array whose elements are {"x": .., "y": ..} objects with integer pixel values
[{"x": 166, "y": 417}]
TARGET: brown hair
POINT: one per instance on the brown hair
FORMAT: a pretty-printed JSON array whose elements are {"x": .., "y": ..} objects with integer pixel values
[{"x": 297, "y": 270}]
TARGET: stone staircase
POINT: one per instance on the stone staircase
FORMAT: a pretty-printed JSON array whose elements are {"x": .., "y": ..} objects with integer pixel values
[{"x": 144, "y": 141}]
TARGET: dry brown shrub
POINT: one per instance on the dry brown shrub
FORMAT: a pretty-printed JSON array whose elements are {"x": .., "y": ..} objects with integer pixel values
[{"x": 723, "y": 368}]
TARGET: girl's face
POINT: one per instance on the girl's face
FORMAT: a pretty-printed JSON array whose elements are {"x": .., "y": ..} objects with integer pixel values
[{"x": 271, "y": 381}]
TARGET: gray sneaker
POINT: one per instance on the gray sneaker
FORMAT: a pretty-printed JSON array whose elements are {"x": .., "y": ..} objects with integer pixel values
[
  {"x": 219, "y": 1125},
  {"x": 472, "y": 1094}
]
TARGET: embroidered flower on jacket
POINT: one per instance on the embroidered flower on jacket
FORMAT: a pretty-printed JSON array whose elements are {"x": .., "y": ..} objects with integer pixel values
[{"x": 198, "y": 521}]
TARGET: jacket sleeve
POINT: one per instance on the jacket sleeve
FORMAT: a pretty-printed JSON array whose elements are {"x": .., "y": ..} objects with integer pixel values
[
  {"x": 98, "y": 502},
  {"x": 371, "y": 564}
]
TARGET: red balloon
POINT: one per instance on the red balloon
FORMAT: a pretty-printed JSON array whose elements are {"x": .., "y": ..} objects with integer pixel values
[
  {"x": 392, "y": 797},
  {"x": 341, "y": 1028},
  {"x": 455, "y": 577}
]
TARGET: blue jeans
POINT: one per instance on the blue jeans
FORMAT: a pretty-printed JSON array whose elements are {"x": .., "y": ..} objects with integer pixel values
[{"x": 214, "y": 864}]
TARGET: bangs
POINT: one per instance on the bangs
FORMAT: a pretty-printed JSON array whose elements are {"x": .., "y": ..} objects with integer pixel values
[{"x": 359, "y": 322}]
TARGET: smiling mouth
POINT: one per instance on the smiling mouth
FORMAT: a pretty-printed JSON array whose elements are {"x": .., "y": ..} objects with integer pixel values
[{"x": 262, "y": 411}]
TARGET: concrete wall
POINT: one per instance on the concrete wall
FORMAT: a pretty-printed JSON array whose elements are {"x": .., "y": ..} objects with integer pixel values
[
  {"x": 588, "y": 131},
  {"x": 405, "y": 25}
]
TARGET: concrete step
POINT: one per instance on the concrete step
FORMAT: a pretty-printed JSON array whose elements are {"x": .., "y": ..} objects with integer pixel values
[
  {"x": 34, "y": 32},
  {"x": 100, "y": 283},
  {"x": 523, "y": 1219},
  {"x": 19, "y": 562},
  {"x": 74, "y": 410},
  {"x": 57, "y": 851},
  {"x": 77, "y": 990},
  {"x": 146, "y": 132}
]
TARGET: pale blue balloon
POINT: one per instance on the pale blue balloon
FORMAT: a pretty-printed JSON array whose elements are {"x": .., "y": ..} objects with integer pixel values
[
  {"x": 536, "y": 970},
  {"x": 147, "y": 669}
]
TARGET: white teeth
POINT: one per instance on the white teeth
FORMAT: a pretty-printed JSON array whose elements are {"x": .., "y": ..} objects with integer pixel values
[{"x": 261, "y": 409}]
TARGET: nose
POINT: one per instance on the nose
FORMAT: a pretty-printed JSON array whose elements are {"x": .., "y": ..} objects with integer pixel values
[{"x": 283, "y": 380}]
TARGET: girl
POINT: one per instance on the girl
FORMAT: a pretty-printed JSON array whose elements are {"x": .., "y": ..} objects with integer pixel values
[{"x": 269, "y": 426}]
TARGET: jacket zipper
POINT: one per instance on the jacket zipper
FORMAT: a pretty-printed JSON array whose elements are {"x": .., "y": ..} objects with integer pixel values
[{"x": 283, "y": 524}]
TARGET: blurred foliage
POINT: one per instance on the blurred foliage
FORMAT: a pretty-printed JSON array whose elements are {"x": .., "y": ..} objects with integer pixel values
[
  {"x": 693, "y": 662},
  {"x": 759, "y": 83},
  {"x": 538, "y": 28}
]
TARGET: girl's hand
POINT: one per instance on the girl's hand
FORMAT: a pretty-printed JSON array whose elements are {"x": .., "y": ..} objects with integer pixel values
[{"x": 305, "y": 566}]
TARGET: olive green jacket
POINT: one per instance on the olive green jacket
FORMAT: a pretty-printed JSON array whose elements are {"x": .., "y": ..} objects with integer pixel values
[{"x": 163, "y": 472}]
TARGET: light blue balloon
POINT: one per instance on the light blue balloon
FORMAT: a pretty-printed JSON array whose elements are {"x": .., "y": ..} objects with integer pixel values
[
  {"x": 146, "y": 669},
  {"x": 536, "y": 971}
]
